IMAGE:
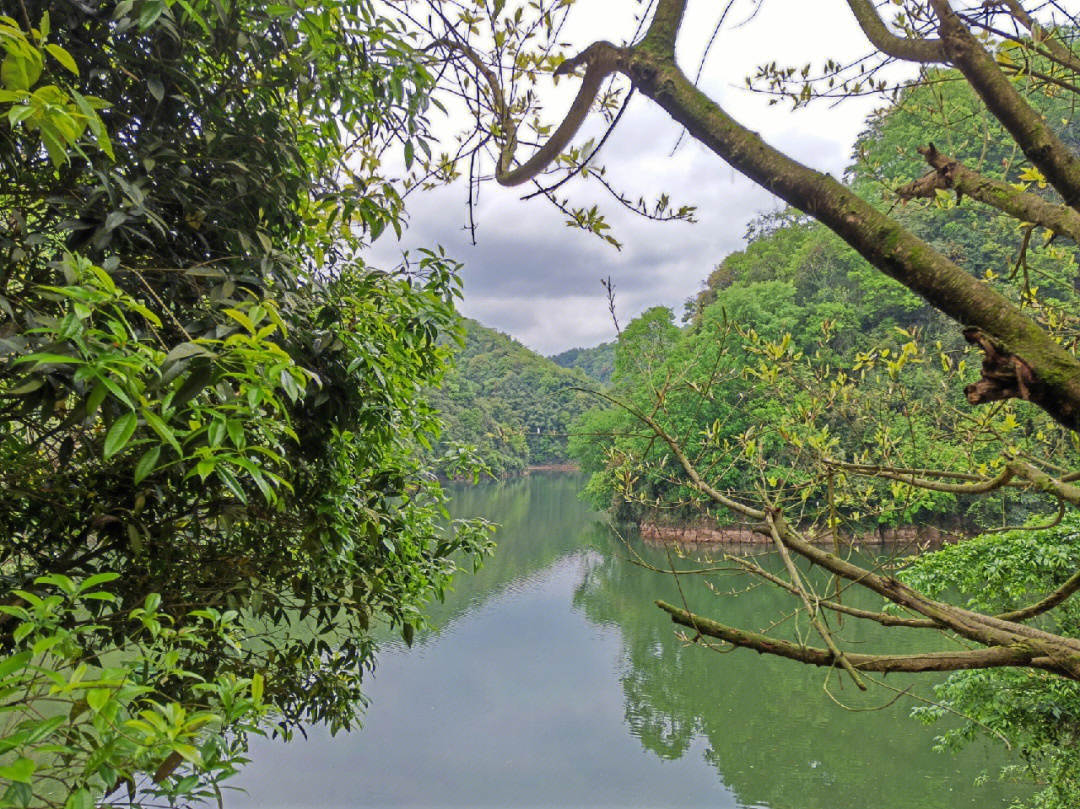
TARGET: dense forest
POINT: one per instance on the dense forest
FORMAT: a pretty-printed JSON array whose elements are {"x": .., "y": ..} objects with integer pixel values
[
  {"x": 798, "y": 292},
  {"x": 597, "y": 362},
  {"x": 510, "y": 405}
]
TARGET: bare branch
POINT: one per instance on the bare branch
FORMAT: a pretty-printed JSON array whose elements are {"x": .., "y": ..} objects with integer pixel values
[
  {"x": 1041, "y": 35},
  {"x": 600, "y": 60},
  {"x": 811, "y": 612}
]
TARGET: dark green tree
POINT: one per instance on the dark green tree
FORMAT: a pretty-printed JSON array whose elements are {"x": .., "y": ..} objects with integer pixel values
[{"x": 211, "y": 409}]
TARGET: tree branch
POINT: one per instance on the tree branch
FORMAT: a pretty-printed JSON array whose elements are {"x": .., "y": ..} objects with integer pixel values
[
  {"x": 811, "y": 612},
  {"x": 600, "y": 60},
  {"x": 995, "y": 657},
  {"x": 924, "y": 51},
  {"x": 1041, "y": 36},
  {"x": 1031, "y": 133},
  {"x": 882, "y": 241},
  {"x": 663, "y": 32},
  {"x": 950, "y": 174}
]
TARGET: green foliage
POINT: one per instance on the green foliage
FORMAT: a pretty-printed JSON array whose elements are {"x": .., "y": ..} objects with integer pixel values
[
  {"x": 513, "y": 407},
  {"x": 84, "y": 726},
  {"x": 796, "y": 348},
  {"x": 1037, "y": 712},
  {"x": 203, "y": 388},
  {"x": 798, "y": 357},
  {"x": 597, "y": 363}
]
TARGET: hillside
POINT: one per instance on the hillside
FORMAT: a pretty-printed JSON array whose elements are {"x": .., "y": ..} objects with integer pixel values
[
  {"x": 512, "y": 405},
  {"x": 597, "y": 362},
  {"x": 795, "y": 341}
]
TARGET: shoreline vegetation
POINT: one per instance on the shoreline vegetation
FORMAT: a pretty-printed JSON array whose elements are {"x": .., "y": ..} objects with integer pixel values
[{"x": 512, "y": 474}]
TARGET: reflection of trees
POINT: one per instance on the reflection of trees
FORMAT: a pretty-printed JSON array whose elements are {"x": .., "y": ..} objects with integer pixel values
[
  {"x": 540, "y": 521},
  {"x": 773, "y": 734}
]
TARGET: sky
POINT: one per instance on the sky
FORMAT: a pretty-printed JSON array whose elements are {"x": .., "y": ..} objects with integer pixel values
[{"x": 531, "y": 276}]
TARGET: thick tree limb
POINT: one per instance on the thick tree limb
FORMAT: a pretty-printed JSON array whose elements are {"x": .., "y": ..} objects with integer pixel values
[
  {"x": 950, "y": 174},
  {"x": 1021, "y": 654},
  {"x": 882, "y": 241},
  {"x": 1027, "y": 127},
  {"x": 925, "y": 51}
]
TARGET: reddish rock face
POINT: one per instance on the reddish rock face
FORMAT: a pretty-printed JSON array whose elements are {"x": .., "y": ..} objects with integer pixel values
[{"x": 708, "y": 533}]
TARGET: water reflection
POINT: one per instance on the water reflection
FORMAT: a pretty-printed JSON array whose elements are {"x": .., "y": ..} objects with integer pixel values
[{"x": 549, "y": 679}]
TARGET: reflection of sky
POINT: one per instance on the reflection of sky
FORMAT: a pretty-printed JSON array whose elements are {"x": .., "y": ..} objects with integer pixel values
[{"x": 521, "y": 704}]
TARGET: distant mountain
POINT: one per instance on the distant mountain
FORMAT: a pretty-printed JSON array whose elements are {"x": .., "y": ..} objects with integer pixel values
[
  {"x": 513, "y": 405},
  {"x": 597, "y": 362}
]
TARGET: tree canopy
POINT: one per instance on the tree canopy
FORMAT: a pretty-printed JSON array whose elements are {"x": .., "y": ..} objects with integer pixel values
[{"x": 211, "y": 408}]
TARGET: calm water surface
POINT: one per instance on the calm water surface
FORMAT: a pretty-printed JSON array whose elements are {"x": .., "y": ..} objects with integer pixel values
[{"x": 550, "y": 679}]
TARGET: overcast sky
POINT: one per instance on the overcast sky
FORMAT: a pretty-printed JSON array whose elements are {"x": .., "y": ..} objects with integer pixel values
[{"x": 535, "y": 278}]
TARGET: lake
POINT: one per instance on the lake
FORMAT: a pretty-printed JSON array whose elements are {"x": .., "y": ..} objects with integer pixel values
[{"x": 550, "y": 679}]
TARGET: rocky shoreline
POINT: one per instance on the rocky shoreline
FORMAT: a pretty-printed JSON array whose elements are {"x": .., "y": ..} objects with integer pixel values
[{"x": 707, "y": 533}]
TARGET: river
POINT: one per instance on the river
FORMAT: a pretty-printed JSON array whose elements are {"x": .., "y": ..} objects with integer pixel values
[{"x": 550, "y": 679}]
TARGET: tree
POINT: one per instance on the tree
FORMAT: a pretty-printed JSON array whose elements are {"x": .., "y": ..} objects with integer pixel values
[
  {"x": 211, "y": 408},
  {"x": 1007, "y": 58}
]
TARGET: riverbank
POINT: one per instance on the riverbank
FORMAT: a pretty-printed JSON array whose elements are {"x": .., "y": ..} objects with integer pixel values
[
  {"x": 710, "y": 533},
  {"x": 514, "y": 474},
  {"x": 553, "y": 467}
]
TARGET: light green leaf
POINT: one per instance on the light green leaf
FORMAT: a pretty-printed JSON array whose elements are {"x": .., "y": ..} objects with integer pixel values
[
  {"x": 80, "y": 799},
  {"x": 20, "y": 771},
  {"x": 63, "y": 57}
]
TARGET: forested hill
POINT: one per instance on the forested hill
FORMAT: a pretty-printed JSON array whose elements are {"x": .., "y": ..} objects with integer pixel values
[
  {"x": 597, "y": 362},
  {"x": 513, "y": 405},
  {"x": 797, "y": 315}
]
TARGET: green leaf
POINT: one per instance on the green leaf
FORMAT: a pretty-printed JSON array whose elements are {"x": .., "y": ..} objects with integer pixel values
[
  {"x": 96, "y": 579},
  {"x": 45, "y": 728},
  {"x": 97, "y": 697},
  {"x": 120, "y": 433},
  {"x": 149, "y": 13},
  {"x": 236, "y": 432},
  {"x": 21, "y": 770},
  {"x": 215, "y": 434},
  {"x": 44, "y": 644},
  {"x": 20, "y": 72},
  {"x": 184, "y": 350},
  {"x": 147, "y": 463},
  {"x": 63, "y": 57},
  {"x": 80, "y": 799},
  {"x": 15, "y": 662},
  {"x": 48, "y": 357},
  {"x": 156, "y": 88},
  {"x": 162, "y": 429}
]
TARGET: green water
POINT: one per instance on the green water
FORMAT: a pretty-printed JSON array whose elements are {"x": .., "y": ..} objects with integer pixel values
[{"x": 549, "y": 679}]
